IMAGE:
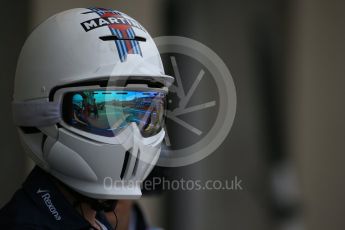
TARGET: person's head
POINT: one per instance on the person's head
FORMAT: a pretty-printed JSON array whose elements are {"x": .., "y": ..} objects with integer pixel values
[{"x": 71, "y": 61}]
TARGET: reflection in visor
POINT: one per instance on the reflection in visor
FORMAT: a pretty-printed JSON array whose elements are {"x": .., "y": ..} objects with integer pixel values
[{"x": 106, "y": 112}]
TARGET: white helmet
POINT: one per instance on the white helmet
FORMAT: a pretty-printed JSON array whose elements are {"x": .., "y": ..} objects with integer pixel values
[{"x": 88, "y": 101}]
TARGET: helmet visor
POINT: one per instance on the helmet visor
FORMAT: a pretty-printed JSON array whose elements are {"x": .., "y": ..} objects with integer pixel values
[{"x": 107, "y": 112}]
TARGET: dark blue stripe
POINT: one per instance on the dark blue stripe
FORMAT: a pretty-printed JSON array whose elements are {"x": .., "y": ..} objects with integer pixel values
[{"x": 118, "y": 45}]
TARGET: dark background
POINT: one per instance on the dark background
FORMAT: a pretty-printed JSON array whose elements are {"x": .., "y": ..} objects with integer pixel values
[{"x": 287, "y": 140}]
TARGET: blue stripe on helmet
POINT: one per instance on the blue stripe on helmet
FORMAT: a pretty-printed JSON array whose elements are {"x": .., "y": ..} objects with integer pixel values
[{"x": 118, "y": 45}]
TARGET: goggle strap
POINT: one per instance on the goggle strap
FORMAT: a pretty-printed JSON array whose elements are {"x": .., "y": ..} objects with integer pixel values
[{"x": 36, "y": 113}]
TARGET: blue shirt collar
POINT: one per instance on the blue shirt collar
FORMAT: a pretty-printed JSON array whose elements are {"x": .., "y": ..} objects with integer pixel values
[{"x": 43, "y": 191}]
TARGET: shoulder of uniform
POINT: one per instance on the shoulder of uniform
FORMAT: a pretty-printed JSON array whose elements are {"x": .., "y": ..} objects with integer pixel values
[{"x": 21, "y": 213}]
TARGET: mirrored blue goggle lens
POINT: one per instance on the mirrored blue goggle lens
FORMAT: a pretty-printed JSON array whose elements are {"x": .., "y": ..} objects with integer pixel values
[{"x": 106, "y": 112}]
